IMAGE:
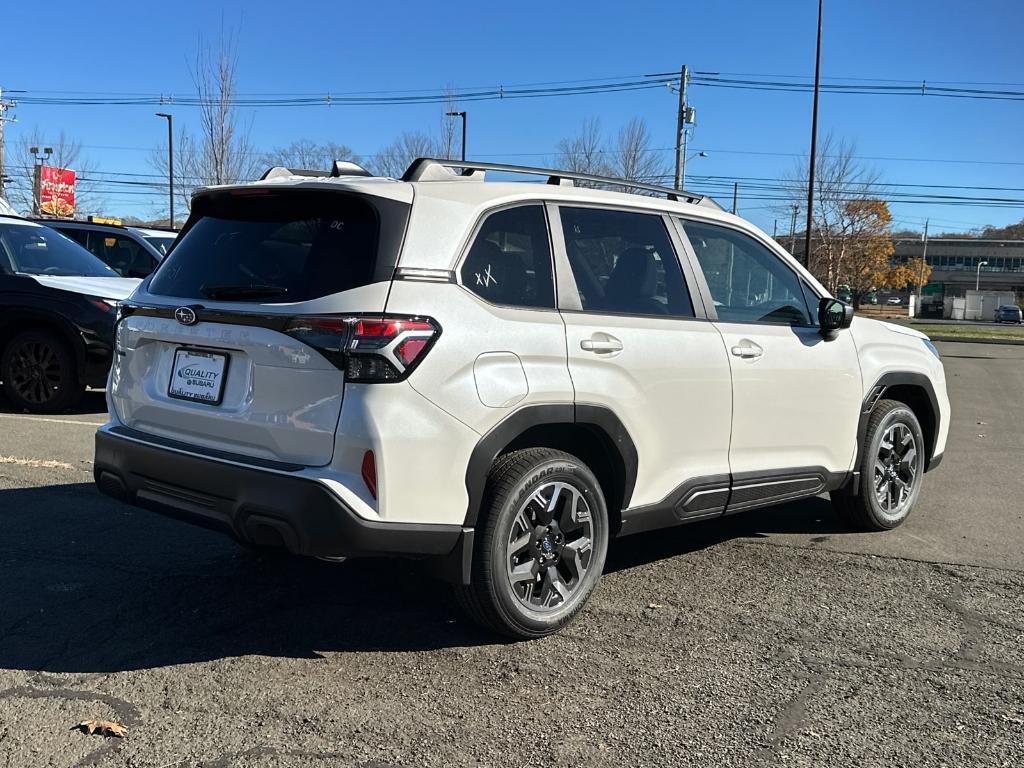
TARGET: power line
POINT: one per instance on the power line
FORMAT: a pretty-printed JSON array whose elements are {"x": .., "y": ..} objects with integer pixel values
[{"x": 847, "y": 86}]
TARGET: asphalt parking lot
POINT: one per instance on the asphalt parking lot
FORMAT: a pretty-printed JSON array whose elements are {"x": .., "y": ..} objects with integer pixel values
[{"x": 771, "y": 638}]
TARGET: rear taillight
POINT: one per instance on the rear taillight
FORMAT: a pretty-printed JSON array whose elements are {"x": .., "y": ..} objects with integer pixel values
[
  {"x": 104, "y": 305},
  {"x": 368, "y": 348}
]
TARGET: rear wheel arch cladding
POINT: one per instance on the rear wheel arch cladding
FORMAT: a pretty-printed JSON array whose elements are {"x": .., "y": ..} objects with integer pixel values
[{"x": 594, "y": 434}]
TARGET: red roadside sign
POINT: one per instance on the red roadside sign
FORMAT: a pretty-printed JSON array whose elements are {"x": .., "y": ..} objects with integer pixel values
[{"x": 56, "y": 190}]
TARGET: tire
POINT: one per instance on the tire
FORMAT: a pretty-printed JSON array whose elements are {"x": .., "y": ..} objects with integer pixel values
[
  {"x": 556, "y": 558},
  {"x": 890, "y": 478},
  {"x": 39, "y": 373}
]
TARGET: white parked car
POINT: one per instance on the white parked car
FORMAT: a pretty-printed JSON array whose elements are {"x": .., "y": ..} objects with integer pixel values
[{"x": 500, "y": 376}]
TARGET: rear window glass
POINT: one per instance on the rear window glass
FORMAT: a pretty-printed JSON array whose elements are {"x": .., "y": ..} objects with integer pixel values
[{"x": 282, "y": 247}]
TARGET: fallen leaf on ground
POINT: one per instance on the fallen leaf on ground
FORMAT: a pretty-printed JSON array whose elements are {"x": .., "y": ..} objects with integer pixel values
[{"x": 103, "y": 727}]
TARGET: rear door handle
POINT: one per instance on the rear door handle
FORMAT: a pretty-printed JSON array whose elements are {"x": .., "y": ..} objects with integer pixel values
[
  {"x": 601, "y": 343},
  {"x": 748, "y": 350}
]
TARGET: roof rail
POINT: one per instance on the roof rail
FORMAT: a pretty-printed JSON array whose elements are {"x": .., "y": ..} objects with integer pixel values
[
  {"x": 434, "y": 169},
  {"x": 338, "y": 169}
]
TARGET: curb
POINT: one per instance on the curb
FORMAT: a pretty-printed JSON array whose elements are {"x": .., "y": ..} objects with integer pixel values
[{"x": 1009, "y": 342}]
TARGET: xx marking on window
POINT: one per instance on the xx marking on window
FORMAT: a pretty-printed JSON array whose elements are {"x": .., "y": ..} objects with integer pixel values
[{"x": 486, "y": 279}]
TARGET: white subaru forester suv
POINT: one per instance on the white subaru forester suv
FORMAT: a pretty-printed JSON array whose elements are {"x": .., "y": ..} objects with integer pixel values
[{"x": 499, "y": 376}]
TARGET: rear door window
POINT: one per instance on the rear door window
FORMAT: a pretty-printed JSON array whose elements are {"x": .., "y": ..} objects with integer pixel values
[
  {"x": 281, "y": 247},
  {"x": 624, "y": 263},
  {"x": 80, "y": 236},
  {"x": 121, "y": 253}
]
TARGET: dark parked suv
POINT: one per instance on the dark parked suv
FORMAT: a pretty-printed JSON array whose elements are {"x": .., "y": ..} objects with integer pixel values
[
  {"x": 57, "y": 309},
  {"x": 129, "y": 251}
]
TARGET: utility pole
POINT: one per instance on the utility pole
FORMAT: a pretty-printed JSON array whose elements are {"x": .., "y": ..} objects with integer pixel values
[
  {"x": 792, "y": 231},
  {"x": 735, "y": 194},
  {"x": 814, "y": 145},
  {"x": 684, "y": 78},
  {"x": 4, "y": 105},
  {"x": 775, "y": 229}
]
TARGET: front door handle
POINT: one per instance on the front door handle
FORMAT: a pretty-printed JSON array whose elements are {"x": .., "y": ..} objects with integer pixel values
[
  {"x": 602, "y": 342},
  {"x": 747, "y": 350}
]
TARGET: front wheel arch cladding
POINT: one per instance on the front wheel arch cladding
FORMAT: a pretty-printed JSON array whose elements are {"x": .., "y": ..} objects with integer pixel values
[{"x": 926, "y": 408}]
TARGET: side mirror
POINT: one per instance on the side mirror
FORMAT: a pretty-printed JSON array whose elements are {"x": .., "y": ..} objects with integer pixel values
[{"x": 833, "y": 316}]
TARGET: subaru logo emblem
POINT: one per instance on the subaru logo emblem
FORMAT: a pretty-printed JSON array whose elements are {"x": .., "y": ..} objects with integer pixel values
[{"x": 185, "y": 315}]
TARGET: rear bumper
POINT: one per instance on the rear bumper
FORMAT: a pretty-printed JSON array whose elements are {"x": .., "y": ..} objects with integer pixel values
[{"x": 261, "y": 506}]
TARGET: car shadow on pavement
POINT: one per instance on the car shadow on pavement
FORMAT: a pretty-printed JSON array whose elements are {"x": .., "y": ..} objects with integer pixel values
[
  {"x": 814, "y": 518},
  {"x": 94, "y": 586},
  {"x": 93, "y": 402}
]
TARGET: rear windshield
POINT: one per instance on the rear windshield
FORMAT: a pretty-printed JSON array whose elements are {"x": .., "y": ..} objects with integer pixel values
[{"x": 281, "y": 247}]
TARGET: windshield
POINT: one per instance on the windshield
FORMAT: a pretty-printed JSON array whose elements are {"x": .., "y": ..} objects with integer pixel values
[
  {"x": 30, "y": 250},
  {"x": 162, "y": 244}
]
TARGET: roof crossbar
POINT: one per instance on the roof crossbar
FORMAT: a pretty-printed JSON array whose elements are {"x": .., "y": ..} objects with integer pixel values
[{"x": 426, "y": 169}]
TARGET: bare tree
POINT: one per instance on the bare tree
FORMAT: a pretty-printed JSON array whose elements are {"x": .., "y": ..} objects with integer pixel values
[
  {"x": 583, "y": 152},
  {"x": 306, "y": 153},
  {"x": 221, "y": 152},
  {"x": 67, "y": 155},
  {"x": 632, "y": 157},
  {"x": 395, "y": 158},
  {"x": 450, "y": 136},
  {"x": 628, "y": 156},
  {"x": 843, "y": 189}
]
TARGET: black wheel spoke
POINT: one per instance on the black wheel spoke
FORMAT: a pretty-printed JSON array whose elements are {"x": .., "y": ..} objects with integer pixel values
[{"x": 36, "y": 373}]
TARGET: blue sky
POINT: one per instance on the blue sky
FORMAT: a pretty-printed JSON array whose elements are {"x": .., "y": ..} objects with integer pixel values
[{"x": 132, "y": 47}]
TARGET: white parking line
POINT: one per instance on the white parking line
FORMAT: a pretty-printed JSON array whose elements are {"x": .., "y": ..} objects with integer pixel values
[
  {"x": 55, "y": 421},
  {"x": 37, "y": 463}
]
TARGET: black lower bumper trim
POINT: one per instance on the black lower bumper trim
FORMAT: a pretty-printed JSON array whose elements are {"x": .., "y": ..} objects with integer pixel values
[{"x": 254, "y": 505}]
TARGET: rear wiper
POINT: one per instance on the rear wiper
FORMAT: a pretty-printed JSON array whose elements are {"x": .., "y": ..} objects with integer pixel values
[{"x": 241, "y": 291}]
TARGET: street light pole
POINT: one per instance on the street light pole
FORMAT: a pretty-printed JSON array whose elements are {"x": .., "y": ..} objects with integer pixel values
[
  {"x": 977, "y": 274},
  {"x": 170, "y": 163},
  {"x": 37, "y": 169},
  {"x": 814, "y": 146},
  {"x": 463, "y": 116}
]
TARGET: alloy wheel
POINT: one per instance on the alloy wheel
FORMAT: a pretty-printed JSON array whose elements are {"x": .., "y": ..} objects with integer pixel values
[
  {"x": 35, "y": 372},
  {"x": 550, "y": 547},
  {"x": 896, "y": 468}
]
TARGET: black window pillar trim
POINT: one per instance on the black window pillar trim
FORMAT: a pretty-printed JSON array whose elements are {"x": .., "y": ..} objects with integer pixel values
[
  {"x": 515, "y": 424},
  {"x": 700, "y": 282},
  {"x": 877, "y": 391}
]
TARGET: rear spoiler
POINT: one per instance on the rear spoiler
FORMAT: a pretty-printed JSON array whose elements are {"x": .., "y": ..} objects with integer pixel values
[{"x": 339, "y": 169}]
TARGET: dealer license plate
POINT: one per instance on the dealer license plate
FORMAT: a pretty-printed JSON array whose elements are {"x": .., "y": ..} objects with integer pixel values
[{"x": 198, "y": 376}]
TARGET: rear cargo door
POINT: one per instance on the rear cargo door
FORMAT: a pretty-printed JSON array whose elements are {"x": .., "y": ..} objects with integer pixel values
[{"x": 206, "y": 353}]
